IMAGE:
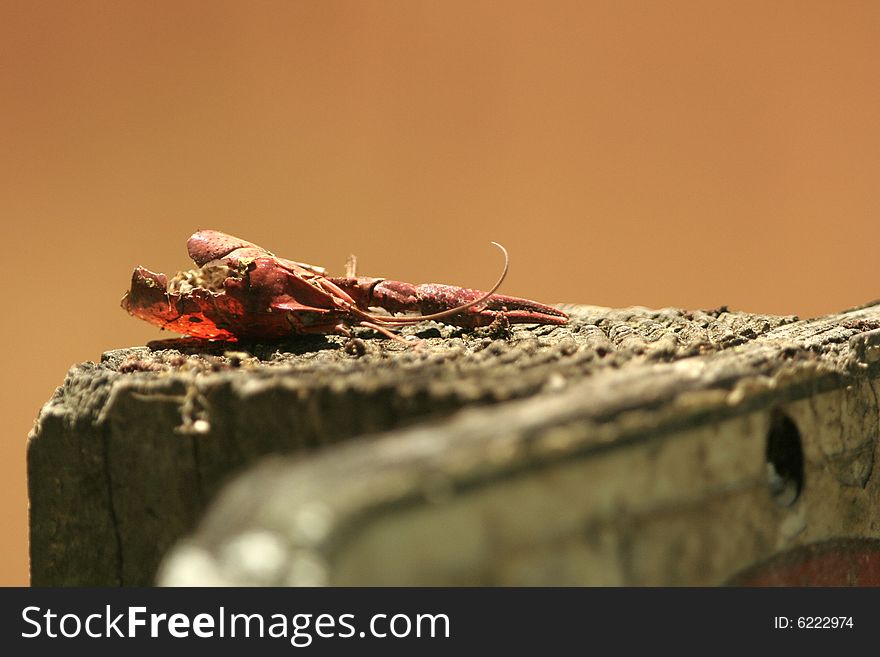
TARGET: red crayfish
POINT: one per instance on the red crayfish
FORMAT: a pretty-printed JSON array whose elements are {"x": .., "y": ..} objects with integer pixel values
[{"x": 242, "y": 291}]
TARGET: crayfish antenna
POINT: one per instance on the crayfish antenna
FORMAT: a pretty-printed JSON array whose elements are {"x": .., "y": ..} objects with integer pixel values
[{"x": 452, "y": 311}]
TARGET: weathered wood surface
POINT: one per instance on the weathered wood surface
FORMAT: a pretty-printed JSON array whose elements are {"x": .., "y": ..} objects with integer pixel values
[{"x": 629, "y": 447}]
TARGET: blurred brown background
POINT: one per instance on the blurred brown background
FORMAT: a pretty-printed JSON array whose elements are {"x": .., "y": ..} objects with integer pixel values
[{"x": 679, "y": 153}]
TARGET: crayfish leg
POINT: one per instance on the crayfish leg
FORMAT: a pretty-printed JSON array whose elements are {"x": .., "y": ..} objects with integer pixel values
[
  {"x": 351, "y": 266},
  {"x": 416, "y": 344}
]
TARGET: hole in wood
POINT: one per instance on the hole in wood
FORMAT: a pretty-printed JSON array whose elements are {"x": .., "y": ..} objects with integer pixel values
[{"x": 785, "y": 460}]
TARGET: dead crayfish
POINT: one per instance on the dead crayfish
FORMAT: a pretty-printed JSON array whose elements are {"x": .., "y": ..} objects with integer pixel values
[{"x": 242, "y": 291}]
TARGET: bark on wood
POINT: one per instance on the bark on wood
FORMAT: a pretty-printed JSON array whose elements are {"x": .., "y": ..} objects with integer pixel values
[{"x": 628, "y": 447}]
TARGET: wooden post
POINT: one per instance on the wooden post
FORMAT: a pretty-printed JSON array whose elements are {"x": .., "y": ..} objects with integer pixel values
[{"x": 631, "y": 447}]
